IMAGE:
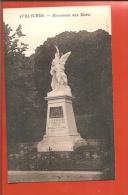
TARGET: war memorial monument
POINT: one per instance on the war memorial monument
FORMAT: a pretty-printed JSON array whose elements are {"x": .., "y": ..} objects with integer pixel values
[{"x": 61, "y": 131}]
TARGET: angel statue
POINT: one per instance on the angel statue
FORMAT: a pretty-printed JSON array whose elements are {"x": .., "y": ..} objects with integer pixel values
[{"x": 59, "y": 78}]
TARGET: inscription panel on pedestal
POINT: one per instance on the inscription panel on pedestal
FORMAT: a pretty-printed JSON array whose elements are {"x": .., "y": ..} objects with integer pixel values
[
  {"x": 56, "y": 121},
  {"x": 56, "y": 112}
]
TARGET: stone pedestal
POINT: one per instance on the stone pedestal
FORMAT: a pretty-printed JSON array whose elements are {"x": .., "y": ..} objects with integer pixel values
[{"x": 61, "y": 131}]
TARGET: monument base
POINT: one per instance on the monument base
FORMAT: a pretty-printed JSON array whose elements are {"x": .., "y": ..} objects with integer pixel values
[
  {"x": 61, "y": 130},
  {"x": 60, "y": 143}
]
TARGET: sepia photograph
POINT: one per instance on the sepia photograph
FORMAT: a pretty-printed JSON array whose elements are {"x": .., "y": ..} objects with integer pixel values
[{"x": 59, "y": 93}]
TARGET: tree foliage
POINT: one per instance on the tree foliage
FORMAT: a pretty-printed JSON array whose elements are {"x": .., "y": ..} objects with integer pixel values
[
  {"x": 19, "y": 86},
  {"x": 12, "y": 42}
]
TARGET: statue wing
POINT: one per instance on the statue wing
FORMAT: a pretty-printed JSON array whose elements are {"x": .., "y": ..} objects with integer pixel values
[{"x": 64, "y": 58}]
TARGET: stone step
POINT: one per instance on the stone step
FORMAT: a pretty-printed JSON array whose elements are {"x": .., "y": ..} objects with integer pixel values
[{"x": 37, "y": 176}]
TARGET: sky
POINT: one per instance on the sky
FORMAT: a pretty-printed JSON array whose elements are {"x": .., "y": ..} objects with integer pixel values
[{"x": 55, "y": 20}]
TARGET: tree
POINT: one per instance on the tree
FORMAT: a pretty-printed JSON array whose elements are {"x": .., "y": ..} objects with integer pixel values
[
  {"x": 12, "y": 42},
  {"x": 17, "y": 84}
]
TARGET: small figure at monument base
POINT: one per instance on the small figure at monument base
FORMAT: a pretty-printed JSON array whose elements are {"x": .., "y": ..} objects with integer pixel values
[{"x": 61, "y": 131}]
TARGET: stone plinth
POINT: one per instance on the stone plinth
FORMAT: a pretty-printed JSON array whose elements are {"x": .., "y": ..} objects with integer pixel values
[{"x": 61, "y": 131}]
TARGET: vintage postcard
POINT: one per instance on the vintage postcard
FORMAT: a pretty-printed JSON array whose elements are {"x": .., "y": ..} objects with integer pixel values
[{"x": 59, "y": 95}]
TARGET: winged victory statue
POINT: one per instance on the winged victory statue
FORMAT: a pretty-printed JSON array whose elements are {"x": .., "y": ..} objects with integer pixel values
[{"x": 59, "y": 78}]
